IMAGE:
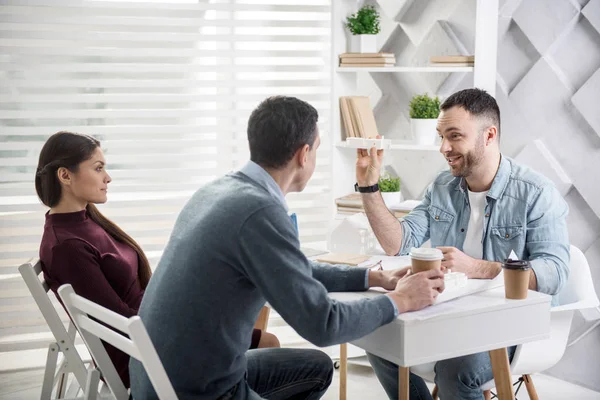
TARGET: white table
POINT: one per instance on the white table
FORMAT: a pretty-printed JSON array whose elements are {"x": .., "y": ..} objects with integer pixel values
[{"x": 484, "y": 321}]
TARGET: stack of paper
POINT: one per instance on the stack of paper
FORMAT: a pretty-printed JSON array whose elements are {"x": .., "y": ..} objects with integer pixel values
[
  {"x": 343, "y": 258},
  {"x": 362, "y": 60},
  {"x": 352, "y": 204},
  {"x": 452, "y": 61}
]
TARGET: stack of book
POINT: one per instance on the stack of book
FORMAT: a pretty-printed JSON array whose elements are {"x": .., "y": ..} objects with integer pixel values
[
  {"x": 362, "y": 60},
  {"x": 452, "y": 61},
  {"x": 352, "y": 204},
  {"x": 357, "y": 117}
]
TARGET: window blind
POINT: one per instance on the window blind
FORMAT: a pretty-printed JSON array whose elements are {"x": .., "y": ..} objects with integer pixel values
[{"x": 167, "y": 87}]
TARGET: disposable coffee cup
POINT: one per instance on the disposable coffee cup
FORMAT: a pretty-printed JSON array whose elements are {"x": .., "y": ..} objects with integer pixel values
[
  {"x": 516, "y": 278},
  {"x": 424, "y": 259}
]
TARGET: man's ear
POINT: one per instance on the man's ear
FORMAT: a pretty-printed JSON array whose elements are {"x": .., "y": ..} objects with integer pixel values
[
  {"x": 64, "y": 176},
  {"x": 302, "y": 155},
  {"x": 491, "y": 134}
]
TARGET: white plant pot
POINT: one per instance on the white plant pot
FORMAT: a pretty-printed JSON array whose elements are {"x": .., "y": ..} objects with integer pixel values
[
  {"x": 363, "y": 44},
  {"x": 391, "y": 198},
  {"x": 423, "y": 130}
]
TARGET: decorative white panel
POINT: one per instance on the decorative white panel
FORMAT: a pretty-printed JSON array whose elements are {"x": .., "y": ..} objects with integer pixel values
[
  {"x": 523, "y": 55},
  {"x": 544, "y": 21},
  {"x": 586, "y": 103},
  {"x": 566, "y": 55},
  {"x": 592, "y": 12},
  {"x": 537, "y": 156}
]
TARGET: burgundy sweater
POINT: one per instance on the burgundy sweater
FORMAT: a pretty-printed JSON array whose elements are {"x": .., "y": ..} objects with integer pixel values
[{"x": 78, "y": 251}]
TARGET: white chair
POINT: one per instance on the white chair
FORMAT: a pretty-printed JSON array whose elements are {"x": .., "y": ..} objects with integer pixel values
[
  {"x": 538, "y": 356},
  {"x": 138, "y": 345},
  {"x": 56, "y": 374}
]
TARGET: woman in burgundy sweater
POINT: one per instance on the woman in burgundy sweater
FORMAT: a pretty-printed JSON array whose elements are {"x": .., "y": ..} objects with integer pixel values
[{"x": 82, "y": 247}]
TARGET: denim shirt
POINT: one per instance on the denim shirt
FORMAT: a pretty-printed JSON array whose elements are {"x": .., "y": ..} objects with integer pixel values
[{"x": 524, "y": 213}]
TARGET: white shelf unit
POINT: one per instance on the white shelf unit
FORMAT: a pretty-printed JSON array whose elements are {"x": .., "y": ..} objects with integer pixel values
[
  {"x": 405, "y": 69},
  {"x": 345, "y": 83}
]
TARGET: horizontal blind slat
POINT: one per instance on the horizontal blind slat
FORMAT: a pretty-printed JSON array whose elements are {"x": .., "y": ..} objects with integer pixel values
[
  {"x": 199, "y": 98},
  {"x": 218, "y": 79},
  {"x": 171, "y": 9},
  {"x": 27, "y": 22}
]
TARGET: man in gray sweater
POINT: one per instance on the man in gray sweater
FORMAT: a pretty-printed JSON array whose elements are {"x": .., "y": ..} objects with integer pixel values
[{"x": 234, "y": 247}]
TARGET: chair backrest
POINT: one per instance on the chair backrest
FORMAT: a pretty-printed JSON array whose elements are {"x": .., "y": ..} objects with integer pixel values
[
  {"x": 577, "y": 294},
  {"x": 580, "y": 286},
  {"x": 138, "y": 345},
  {"x": 31, "y": 271}
]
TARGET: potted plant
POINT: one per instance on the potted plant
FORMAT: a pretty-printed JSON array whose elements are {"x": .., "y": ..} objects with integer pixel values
[
  {"x": 364, "y": 26},
  {"x": 390, "y": 190},
  {"x": 424, "y": 111}
]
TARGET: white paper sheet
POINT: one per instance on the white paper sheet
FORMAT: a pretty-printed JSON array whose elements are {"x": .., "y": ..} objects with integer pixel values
[{"x": 473, "y": 286}]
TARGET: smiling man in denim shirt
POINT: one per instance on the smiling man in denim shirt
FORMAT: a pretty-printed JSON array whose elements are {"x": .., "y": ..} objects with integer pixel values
[{"x": 485, "y": 206}]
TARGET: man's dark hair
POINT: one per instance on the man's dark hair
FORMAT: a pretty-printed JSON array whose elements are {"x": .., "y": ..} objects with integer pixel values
[
  {"x": 278, "y": 127},
  {"x": 478, "y": 103}
]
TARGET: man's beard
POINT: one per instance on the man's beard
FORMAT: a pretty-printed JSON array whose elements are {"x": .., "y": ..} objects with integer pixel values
[{"x": 471, "y": 160}]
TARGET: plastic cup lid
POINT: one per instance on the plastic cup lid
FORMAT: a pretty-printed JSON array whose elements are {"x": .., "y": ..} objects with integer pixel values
[
  {"x": 426, "y": 254},
  {"x": 516, "y": 264}
]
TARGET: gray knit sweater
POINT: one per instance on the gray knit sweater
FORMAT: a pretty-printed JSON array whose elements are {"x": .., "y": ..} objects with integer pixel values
[{"x": 234, "y": 247}]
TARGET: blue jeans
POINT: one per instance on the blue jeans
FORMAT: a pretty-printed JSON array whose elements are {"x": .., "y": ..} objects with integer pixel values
[
  {"x": 387, "y": 373},
  {"x": 284, "y": 374},
  {"x": 456, "y": 378}
]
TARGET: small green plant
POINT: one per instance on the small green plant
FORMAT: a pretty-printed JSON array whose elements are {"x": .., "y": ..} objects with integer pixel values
[
  {"x": 389, "y": 184},
  {"x": 364, "y": 22},
  {"x": 423, "y": 107}
]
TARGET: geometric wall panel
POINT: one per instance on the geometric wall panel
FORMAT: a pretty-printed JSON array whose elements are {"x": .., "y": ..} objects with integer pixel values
[
  {"x": 516, "y": 56},
  {"x": 543, "y": 21},
  {"x": 421, "y": 15},
  {"x": 537, "y": 156},
  {"x": 583, "y": 224},
  {"x": 582, "y": 39},
  {"x": 461, "y": 24},
  {"x": 541, "y": 94},
  {"x": 592, "y": 12},
  {"x": 587, "y": 102}
]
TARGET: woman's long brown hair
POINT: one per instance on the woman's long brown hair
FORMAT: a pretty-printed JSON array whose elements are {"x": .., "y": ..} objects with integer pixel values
[{"x": 68, "y": 150}]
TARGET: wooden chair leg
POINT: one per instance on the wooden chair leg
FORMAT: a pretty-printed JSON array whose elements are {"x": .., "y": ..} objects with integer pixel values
[
  {"x": 263, "y": 319},
  {"x": 434, "y": 392},
  {"x": 343, "y": 370},
  {"x": 502, "y": 377},
  {"x": 530, "y": 387},
  {"x": 403, "y": 383}
]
